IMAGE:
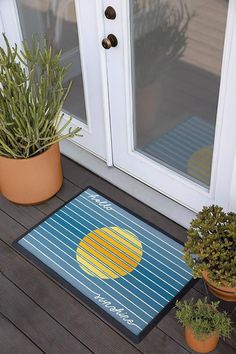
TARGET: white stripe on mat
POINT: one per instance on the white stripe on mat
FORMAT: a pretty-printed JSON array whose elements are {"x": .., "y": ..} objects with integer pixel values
[
  {"x": 93, "y": 292},
  {"x": 130, "y": 274},
  {"x": 106, "y": 273},
  {"x": 140, "y": 265},
  {"x": 133, "y": 222},
  {"x": 79, "y": 223},
  {"x": 177, "y": 265},
  {"x": 82, "y": 275}
]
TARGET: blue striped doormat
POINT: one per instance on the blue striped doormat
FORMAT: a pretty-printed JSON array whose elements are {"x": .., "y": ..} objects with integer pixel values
[{"x": 123, "y": 267}]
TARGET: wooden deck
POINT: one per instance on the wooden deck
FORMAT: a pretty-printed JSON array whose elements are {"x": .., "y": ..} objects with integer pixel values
[{"x": 37, "y": 315}]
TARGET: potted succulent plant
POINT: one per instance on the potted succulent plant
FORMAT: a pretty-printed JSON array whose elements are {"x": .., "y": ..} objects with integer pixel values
[
  {"x": 204, "y": 324},
  {"x": 31, "y": 99},
  {"x": 210, "y": 250}
]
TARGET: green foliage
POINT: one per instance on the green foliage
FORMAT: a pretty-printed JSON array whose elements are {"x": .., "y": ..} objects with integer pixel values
[
  {"x": 203, "y": 318},
  {"x": 211, "y": 245},
  {"x": 31, "y": 99}
]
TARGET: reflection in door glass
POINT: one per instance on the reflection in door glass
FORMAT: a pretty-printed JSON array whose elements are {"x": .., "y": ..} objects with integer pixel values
[
  {"x": 57, "y": 20},
  {"x": 177, "y": 57}
]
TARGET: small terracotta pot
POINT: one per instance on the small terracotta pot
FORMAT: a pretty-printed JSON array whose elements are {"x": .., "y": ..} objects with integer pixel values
[
  {"x": 32, "y": 180},
  {"x": 203, "y": 345},
  {"x": 222, "y": 292}
]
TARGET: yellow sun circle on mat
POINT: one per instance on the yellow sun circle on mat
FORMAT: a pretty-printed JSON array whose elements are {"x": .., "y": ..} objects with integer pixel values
[
  {"x": 199, "y": 164},
  {"x": 109, "y": 252}
]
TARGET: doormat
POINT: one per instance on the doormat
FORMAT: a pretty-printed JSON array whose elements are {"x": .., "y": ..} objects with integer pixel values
[
  {"x": 126, "y": 269},
  {"x": 188, "y": 148}
]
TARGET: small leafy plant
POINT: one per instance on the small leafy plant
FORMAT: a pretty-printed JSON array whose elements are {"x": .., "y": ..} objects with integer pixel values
[
  {"x": 211, "y": 245},
  {"x": 31, "y": 99},
  {"x": 203, "y": 318}
]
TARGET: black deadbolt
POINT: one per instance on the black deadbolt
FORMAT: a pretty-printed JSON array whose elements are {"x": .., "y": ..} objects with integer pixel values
[{"x": 110, "y": 13}]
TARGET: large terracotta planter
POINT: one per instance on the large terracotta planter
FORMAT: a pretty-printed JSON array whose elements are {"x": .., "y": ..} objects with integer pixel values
[
  {"x": 32, "y": 180},
  {"x": 222, "y": 292},
  {"x": 205, "y": 344}
]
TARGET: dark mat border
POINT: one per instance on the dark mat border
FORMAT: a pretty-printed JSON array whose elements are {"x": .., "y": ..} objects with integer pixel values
[{"x": 85, "y": 299}]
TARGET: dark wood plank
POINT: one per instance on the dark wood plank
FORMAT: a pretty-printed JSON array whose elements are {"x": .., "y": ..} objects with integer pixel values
[
  {"x": 25, "y": 215},
  {"x": 10, "y": 230},
  {"x": 78, "y": 175},
  {"x": 28, "y": 216},
  {"x": 14, "y": 341},
  {"x": 68, "y": 190},
  {"x": 67, "y": 310},
  {"x": 55, "y": 304},
  {"x": 49, "y": 335},
  {"x": 50, "y": 205},
  {"x": 157, "y": 342},
  {"x": 83, "y": 325},
  {"x": 84, "y": 178},
  {"x": 62, "y": 306}
]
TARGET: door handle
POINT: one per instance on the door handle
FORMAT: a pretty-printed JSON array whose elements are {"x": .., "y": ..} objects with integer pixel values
[
  {"x": 110, "y": 13},
  {"x": 109, "y": 41}
]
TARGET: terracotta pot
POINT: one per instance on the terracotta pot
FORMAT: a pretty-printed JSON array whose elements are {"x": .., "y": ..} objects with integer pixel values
[
  {"x": 203, "y": 345},
  {"x": 32, "y": 180},
  {"x": 222, "y": 292}
]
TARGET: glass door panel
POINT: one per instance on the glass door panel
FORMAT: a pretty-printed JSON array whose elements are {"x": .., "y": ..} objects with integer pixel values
[
  {"x": 169, "y": 117},
  {"x": 73, "y": 26},
  {"x": 177, "y": 49},
  {"x": 56, "y": 19},
  {"x": 171, "y": 84}
]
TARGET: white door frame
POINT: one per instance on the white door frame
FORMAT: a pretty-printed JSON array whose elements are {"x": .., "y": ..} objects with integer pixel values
[
  {"x": 157, "y": 176},
  {"x": 113, "y": 68},
  {"x": 96, "y": 133}
]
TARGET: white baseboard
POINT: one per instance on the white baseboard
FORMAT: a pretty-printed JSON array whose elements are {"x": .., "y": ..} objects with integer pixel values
[{"x": 132, "y": 186}]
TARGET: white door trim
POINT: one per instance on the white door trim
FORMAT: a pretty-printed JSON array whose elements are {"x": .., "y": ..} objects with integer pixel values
[
  {"x": 128, "y": 184},
  {"x": 157, "y": 176},
  {"x": 111, "y": 68},
  {"x": 96, "y": 133}
]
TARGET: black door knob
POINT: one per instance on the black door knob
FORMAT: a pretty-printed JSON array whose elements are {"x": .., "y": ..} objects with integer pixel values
[
  {"x": 110, "y": 13},
  {"x": 110, "y": 41}
]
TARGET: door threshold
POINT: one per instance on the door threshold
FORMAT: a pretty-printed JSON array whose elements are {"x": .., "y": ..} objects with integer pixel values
[{"x": 147, "y": 195}]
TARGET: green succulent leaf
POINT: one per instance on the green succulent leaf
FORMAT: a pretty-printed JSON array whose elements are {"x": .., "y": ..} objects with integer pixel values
[
  {"x": 32, "y": 94},
  {"x": 203, "y": 318},
  {"x": 211, "y": 245}
]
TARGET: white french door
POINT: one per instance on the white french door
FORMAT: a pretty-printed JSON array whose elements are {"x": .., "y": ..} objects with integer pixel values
[
  {"x": 160, "y": 105},
  {"x": 172, "y": 81},
  {"x": 74, "y": 27}
]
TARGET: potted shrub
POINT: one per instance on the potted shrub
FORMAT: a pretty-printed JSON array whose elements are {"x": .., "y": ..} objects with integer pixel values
[
  {"x": 210, "y": 250},
  {"x": 203, "y": 323},
  {"x": 31, "y": 99}
]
